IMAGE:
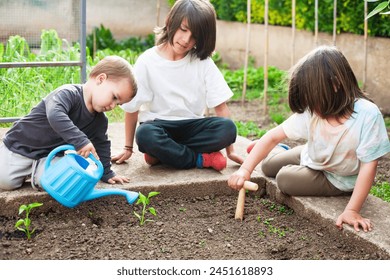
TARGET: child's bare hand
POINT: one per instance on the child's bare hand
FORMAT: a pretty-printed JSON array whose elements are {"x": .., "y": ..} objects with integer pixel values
[
  {"x": 232, "y": 155},
  {"x": 88, "y": 149},
  {"x": 237, "y": 179},
  {"x": 121, "y": 157},
  {"x": 354, "y": 219},
  {"x": 118, "y": 179},
  {"x": 235, "y": 157}
]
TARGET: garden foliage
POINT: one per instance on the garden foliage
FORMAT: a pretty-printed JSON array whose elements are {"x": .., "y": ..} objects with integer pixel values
[
  {"x": 102, "y": 38},
  {"x": 350, "y": 15},
  {"x": 23, "y": 88}
]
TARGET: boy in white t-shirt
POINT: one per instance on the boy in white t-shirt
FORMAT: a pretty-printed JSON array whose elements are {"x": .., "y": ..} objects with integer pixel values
[{"x": 177, "y": 80}]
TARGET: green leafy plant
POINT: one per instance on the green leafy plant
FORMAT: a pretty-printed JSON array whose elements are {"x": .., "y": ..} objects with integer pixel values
[
  {"x": 145, "y": 201},
  {"x": 277, "y": 117},
  {"x": 379, "y": 8},
  {"x": 349, "y": 14},
  {"x": 281, "y": 232},
  {"x": 277, "y": 83},
  {"x": 23, "y": 88},
  {"x": 102, "y": 39},
  {"x": 171, "y": 2},
  {"x": 381, "y": 189},
  {"x": 26, "y": 222},
  {"x": 249, "y": 129}
]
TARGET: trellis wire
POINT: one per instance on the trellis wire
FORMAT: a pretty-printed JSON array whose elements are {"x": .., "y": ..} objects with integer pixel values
[{"x": 81, "y": 63}]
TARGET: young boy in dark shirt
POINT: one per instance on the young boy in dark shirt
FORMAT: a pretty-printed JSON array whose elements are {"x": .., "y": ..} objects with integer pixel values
[{"x": 71, "y": 114}]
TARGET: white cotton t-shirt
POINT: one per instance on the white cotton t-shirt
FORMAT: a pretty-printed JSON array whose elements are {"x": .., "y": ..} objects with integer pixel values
[
  {"x": 338, "y": 150},
  {"x": 176, "y": 90}
]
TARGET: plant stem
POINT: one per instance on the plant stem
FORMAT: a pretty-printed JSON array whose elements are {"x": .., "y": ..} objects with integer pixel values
[{"x": 143, "y": 214}]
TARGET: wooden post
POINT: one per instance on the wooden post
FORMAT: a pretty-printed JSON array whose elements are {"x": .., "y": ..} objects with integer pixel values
[
  {"x": 316, "y": 23},
  {"x": 293, "y": 12},
  {"x": 265, "y": 108},
  {"x": 248, "y": 34},
  {"x": 334, "y": 21},
  {"x": 365, "y": 45},
  {"x": 158, "y": 13}
]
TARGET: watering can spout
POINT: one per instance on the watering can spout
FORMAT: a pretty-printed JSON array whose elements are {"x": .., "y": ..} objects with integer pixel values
[{"x": 97, "y": 193}]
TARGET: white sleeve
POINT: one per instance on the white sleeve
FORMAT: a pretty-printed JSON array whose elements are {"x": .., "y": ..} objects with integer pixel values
[
  {"x": 217, "y": 89},
  {"x": 374, "y": 141},
  {"x": 297, "y": 126},
  {"x": 144, "y": 94}
]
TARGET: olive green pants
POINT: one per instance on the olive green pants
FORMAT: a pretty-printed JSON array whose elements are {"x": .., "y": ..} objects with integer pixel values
[{"x": 294, "y": 179}]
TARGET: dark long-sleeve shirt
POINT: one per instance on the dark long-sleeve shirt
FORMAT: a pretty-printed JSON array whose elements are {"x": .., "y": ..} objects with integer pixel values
[{"x": 61, "y": 118}]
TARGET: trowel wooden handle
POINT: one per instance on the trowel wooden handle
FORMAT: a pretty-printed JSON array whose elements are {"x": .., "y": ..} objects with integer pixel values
[
  {"x": 250, "y": 186},
  {"x": 240, "y": 205},
  {"x": 241, "y": 199}
]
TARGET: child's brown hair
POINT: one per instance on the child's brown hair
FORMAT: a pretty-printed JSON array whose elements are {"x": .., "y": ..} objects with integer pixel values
[
  {"x": 115, "y": 67},
  {"x": 201, "y": 18},
  {"x": 323, "y": 83}
]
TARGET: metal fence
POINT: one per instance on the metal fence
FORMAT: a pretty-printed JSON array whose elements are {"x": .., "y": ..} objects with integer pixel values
[{"x": 27, "y": 18}]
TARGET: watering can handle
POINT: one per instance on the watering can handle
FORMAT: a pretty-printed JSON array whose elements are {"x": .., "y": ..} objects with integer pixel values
[
  {"x": 100, "y": 169},
  {"x": 65, "y": 148},
  {"x": 55, "y": 151}
]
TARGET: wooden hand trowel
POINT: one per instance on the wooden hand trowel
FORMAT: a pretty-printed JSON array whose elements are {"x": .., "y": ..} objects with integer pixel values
[{"x": 241, "y": 198}]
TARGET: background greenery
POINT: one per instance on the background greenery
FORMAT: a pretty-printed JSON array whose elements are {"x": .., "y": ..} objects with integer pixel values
[
  {"x": 350, "y": 15},
  {"x": 23, "y": 88}
]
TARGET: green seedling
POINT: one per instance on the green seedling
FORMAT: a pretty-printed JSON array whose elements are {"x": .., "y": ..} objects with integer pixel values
[
  {"x": 26, "y": 222},
  {"x": 272, "y": 229},
  {"x": 145, "y": 201}
]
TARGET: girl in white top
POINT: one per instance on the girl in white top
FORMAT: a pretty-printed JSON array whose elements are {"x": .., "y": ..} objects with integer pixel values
[
  {"x": 345, "y": 134},
  {"x": 177, "y": 80}
]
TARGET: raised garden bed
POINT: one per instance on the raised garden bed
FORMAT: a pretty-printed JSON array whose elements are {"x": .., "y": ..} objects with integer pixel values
[{"x": 185, "y": 228}]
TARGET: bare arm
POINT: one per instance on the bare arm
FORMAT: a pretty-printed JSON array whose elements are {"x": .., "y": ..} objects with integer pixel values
[
  {"x": 351, "y": 214},
  {"x": 262, "y": 148},
  {"x": 130, "y": 125},
  {"x": 222, "y": 110}
]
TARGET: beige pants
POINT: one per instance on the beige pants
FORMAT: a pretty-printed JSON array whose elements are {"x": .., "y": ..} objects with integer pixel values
[
  {"x": 295, "y": 179},
  {"x": 15, "y": 169}
]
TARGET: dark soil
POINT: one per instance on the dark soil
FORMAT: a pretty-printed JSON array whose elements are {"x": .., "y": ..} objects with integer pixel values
[
  {"x": 196, "y": 228},
  {"x": 199, "y": 228}
]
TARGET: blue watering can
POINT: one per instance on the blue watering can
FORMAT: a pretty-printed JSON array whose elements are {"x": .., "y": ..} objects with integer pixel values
[{"x": 71, "y": 180}]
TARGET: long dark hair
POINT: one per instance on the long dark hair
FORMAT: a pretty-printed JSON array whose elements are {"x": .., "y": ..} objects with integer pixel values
[
  {"x": 201, "y": 18},
  {"x": 323, "y": 83}
]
